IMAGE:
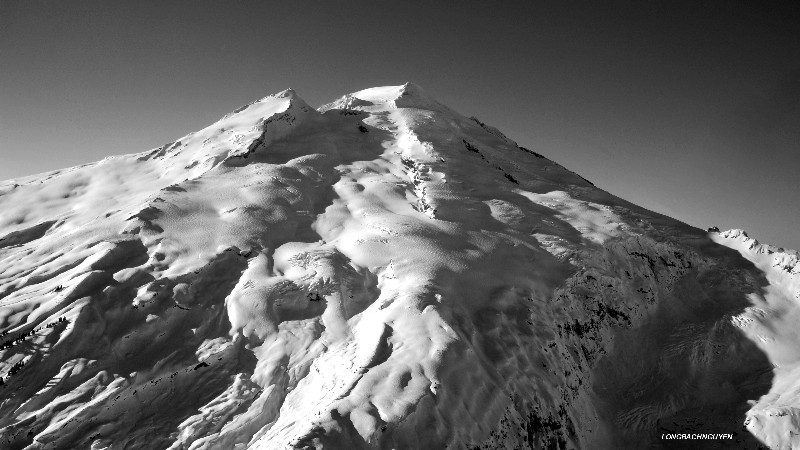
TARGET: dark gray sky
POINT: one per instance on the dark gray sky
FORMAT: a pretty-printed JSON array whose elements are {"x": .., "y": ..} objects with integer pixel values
[{"x": 688, "y": 108}]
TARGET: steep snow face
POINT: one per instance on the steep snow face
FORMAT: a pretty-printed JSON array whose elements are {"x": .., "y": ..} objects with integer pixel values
[
  {"x": 772, "y": 323},
  {"x": 380, "y": 272}
]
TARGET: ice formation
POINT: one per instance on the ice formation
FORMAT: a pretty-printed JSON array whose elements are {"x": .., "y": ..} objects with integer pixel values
[{"x": 381, "y": 272}]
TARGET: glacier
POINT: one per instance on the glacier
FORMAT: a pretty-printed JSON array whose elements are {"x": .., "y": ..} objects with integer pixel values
[{"x": 379, "y": 272}]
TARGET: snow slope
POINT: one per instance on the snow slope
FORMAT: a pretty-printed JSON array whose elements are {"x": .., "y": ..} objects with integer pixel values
[
  {"x": 381, "y": 272},
  {"x": 772, "y": 324}
]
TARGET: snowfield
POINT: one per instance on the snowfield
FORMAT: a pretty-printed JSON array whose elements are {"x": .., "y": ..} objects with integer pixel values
[{"x": 380, "y": 272}]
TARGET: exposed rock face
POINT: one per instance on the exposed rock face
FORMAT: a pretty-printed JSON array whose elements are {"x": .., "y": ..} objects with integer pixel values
[{"x": 380, "y": 272}]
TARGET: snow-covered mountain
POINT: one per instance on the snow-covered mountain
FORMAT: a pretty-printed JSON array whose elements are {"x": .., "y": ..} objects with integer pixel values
[{"x": 378, "y": 272}]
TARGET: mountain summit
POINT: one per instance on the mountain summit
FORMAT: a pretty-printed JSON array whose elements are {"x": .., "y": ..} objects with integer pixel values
[{"x": 381, "y": 272}]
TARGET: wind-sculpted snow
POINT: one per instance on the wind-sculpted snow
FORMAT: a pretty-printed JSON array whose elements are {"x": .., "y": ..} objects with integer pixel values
[
  {"x": 381, "y": 272},
  {"x": 771, "y": 322}
]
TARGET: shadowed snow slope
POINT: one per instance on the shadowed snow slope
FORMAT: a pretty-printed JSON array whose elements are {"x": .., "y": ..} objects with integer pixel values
[{"x": 382, "y": 272}]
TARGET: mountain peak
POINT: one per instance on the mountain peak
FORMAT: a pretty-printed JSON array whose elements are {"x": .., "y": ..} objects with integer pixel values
[
  {"x": 286, "y": 93},
  {"x": 407, "y": 95},
  {"x": 383, "y": 271},
  {"x": 409, "y": 88},
  {"x": 383, "y": 94}
]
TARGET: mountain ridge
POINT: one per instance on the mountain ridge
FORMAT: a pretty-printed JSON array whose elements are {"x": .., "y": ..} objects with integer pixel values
[{"x": 378, "y": 272}]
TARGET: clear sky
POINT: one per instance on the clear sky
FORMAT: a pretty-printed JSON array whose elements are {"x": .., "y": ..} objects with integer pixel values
[{"x": 688, "y": 108}]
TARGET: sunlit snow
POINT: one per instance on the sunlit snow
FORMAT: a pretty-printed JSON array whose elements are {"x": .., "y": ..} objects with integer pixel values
[{"x": 379, "y": 272}]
